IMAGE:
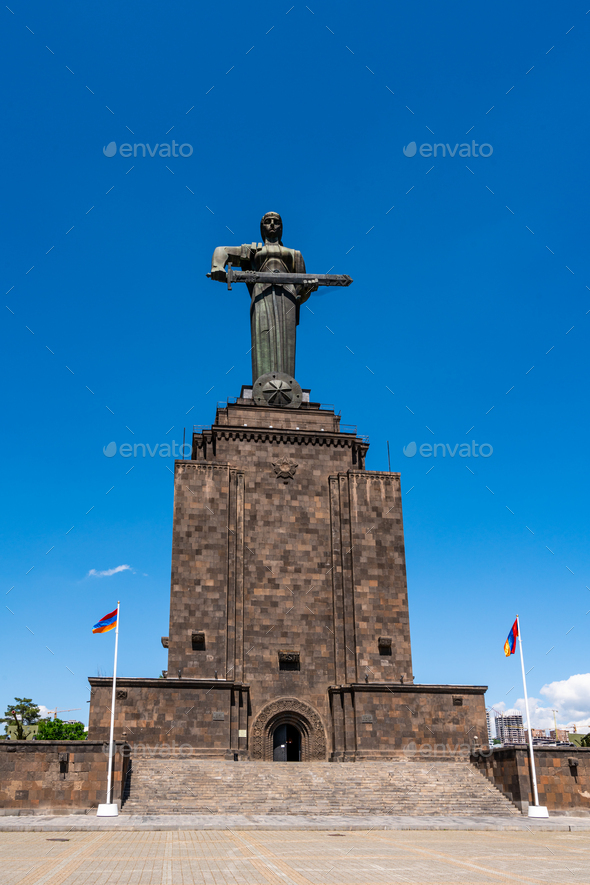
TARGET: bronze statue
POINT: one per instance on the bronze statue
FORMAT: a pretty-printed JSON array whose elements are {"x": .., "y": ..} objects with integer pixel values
[{"x": 278, "y": 286}]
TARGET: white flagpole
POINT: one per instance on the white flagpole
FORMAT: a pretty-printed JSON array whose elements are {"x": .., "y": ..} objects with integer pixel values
[
  {"x": 528, "y": 719},
  {"x": 109, "y": 809}
]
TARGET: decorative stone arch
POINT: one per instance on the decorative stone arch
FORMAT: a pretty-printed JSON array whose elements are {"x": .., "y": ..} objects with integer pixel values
[{"x": 288, "y": 711}]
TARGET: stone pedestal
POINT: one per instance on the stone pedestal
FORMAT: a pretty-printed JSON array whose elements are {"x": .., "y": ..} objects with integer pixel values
[{"x": 288, "y": 602}]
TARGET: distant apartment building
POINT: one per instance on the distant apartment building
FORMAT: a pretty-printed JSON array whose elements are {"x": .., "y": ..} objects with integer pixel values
[
  {"x": 510, "y": 729},
  {"x": 562, "y": 734},
  {"x": 489, "y": 727},
  {"x": 541, "y": 737}
]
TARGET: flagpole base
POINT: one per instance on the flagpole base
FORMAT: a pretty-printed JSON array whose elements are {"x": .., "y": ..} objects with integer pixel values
[
  {"x": 107, "y": 811},
  {"x": 538, "y": 811}
]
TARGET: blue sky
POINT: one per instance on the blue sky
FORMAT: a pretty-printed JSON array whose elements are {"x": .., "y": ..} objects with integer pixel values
[{"x": 467, "y": 271}]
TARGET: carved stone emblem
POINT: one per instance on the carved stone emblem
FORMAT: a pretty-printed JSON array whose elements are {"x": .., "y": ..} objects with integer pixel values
[
  {"x": 285, "y": 468},
  {"x": 289, "y": 657},
  {"x": 289, "y": 660},
  {"x": 277, "y": 389}
]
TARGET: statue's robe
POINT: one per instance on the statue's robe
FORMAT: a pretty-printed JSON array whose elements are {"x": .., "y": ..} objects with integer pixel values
[{"x": 274, "y": 309}]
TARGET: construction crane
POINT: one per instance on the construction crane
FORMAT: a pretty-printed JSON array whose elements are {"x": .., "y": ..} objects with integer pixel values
[{"x": 56, "y": 711}]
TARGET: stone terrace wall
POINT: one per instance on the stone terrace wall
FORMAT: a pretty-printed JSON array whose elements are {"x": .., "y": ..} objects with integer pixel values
[
  {"x": 58, "y": 775},
  {"x": 381, "y": 721},
  {"x": 562, "y": 785},
  {"x": 172, "y": 714},
  {"x": 204, "y": 718}
]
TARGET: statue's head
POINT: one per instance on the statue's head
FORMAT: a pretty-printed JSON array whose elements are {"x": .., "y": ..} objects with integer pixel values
[{"x": 271, "y": 227}]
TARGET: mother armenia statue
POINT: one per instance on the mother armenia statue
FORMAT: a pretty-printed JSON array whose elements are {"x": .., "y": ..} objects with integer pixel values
[{"x": 278, "y": 285}]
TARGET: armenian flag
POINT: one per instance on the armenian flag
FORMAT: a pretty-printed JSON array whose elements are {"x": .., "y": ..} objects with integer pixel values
[
  {"x": 510, "y": 644},
  {"x": 109, "y": 622}
]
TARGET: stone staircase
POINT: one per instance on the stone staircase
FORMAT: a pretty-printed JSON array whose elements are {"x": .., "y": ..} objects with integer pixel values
[{"x": 189, "y": 786}]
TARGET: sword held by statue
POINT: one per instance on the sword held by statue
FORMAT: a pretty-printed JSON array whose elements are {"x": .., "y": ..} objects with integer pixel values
[{"x": 294, "y": 279}]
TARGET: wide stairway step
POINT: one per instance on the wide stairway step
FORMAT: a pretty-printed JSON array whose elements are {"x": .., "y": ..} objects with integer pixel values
[{"x": 172, "y": 785}]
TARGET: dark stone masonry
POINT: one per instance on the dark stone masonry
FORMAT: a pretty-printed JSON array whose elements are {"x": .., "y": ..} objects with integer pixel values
[
  {"x": 288, "y": 607},
  {"x": 563, "y": 776},
  {"x": 58, "y": 776}
]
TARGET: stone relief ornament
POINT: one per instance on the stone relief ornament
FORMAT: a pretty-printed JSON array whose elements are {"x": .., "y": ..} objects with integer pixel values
[
  {"x": 294, "y": 712},
  {"x": 277, "y": 389},
  {"x": 285, "y": 468}
]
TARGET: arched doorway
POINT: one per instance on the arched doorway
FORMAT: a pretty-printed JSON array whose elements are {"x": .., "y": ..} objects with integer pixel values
[
  {"x": 308, "y": 740},
  {"x": 286, "y": 743}
]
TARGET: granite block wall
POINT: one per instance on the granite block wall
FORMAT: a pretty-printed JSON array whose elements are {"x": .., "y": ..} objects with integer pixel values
[
  {"x": 563, "y": 776},
  {"x": 282, "y": 545},
  {"x": 224, "y": 720},
  {"x": 417, "y": 721},
  {"x": 200, "y": 570},
  {"x": 58, "y": 775},
  {"x": 370, "y": 596},
  {"x": 171, "y": 715}
]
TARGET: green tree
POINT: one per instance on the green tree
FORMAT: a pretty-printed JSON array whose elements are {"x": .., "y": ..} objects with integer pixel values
[
  {"x": 23, "y": 712},
  {"x": 58, "y": 730},
  {"x": 585, "y": 742}
]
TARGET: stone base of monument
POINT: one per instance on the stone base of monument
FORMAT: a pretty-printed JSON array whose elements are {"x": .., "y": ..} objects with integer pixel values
[
  {"x": 110, "y": 810},
  {"x": 292, "y": 483},
  {"x": 538, "y": 811}
]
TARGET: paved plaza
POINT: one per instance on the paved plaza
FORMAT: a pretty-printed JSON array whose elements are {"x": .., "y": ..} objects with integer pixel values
[{"x": 290, "y": 856}]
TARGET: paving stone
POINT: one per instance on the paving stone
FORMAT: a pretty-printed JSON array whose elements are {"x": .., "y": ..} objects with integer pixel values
[{"x": 294, "y": 857}]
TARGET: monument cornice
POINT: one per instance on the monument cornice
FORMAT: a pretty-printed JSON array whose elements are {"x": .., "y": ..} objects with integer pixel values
[
  {"x": 166, "y": 682},
  {"x": 407, "y": 688},
  {"x": 285, "y": 435}
]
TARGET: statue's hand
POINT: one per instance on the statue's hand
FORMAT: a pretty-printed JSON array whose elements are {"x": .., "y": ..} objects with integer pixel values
[
  {"x": 305, "y": 292},
  {"x": 219, "y": 275}
]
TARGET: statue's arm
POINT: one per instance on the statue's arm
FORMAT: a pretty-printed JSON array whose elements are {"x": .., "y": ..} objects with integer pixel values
[{"x": 221, "y": 257}]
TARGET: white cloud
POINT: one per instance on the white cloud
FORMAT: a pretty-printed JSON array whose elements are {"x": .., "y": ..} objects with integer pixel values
[
  {"x": 44, "y": 711},
  {"x": 108, "y": 572},
  {"x": 570, "y": 697}
]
